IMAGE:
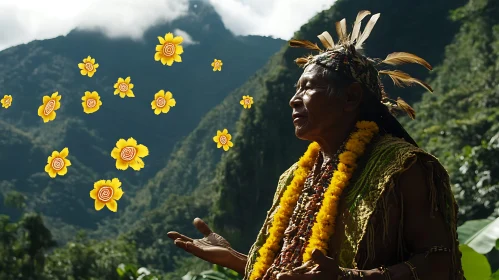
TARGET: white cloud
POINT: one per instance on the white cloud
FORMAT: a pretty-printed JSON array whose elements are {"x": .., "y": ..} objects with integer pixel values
[
  {"x": 187, "y": 38},
  {"x": 22, "y": 21},
  {"x": 277, "y": 18}
]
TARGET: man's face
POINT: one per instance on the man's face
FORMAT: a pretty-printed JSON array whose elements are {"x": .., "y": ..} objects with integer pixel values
[{"x": 315, "y": 112}]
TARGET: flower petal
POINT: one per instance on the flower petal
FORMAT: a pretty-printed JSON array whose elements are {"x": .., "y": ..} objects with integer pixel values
[
  {"x": 81, "y": 65},
  {"x": 112, "y": 205},
  {"x": 168, "y": 37},
  {"x": 165, "y": 109},
  {"x": 118, "y": 193},
  {"x": 161, "y": 40},
  {"x": 179, "y": 50},
  {"x": 168, "y": 95},
  {"x": 142, "y": 151},
  {"x": 215, "y": 138},
  {"x": 164, "y": 60},
  {"x": 83, "y": 72},
  {"x": 121, "y": 144},
  {"x": 169, "y": 61},
  {"x": 177, "y": 58},
  {"x": 157, "y": 56},
  {"x": 63, "y": 171},
  {"x": 64, "y": 153},
  {"x": 120, "y": 80},
  {"x": 121, "y": 165},
  {"x": 226, "y": 148},
  {"x": 99, "y": 205},
  {"x": 93, "y": 193},
  {"x": 127, "y": 80},
  {"x": 177, "y": 40},
  {"x": 131, "y": 142},
  {"x": 171, "y": 102}
]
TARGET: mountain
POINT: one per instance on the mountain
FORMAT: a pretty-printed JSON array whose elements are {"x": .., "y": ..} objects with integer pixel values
[{"x": 39, "y": 68}]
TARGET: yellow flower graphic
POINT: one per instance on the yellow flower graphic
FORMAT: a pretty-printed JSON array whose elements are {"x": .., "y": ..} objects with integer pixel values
[
  {"x": 247, "y": 101},
  {"x": 57, "y": 163},
  {"x": 49, "y": 106},
  {"x": 217, "y": 65},
  {"x": 6, "y": 101},
  {"x": 162, "y": 102},
  {"x": 169, "y": 50},
  {"x": 91, "y": 102},
  {"x": 124, "y": 87},
  {"x": 223, "y": 139},
  {"x": 107, "y": 192},
  {"x": 88, "y": 67},
  {"x": 128, "y": 153}
]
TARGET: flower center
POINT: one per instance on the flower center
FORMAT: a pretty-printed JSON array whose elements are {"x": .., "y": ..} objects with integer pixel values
[
  {"x": 160, "y": 102},
  {"x": 128, "y": 153},
  {"x": 169, "y": 49},
  {"x": 57, "y": 164},
  {"x": 123, "y": 87},
  {"x": 105, "y": 193},
  {"x": 91, "y": 103},
  {"x": 223, "y": 139},
  {"x": 7, "y": 101},
  {"x": 247, "y": 101},
  {"x": 89, "y": 66},
  {"x": 217, "y": 64},
  {"x": 49, "y": 107}
]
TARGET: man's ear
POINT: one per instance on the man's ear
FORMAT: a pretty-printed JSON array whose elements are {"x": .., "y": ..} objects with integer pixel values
[{"x": 354, "y": 95}]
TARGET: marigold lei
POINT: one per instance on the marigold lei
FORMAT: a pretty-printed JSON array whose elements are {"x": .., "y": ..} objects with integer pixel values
[{"x": 323, "y": 227}]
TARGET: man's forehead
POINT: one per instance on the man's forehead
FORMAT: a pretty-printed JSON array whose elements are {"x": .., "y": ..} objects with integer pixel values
[{"x": 312, "y": 74}]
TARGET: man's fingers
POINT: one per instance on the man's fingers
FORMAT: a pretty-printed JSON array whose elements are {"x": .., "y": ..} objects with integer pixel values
[
  {"x": 181, "y": 244},
  {"x": 202, "y": 227},
  {"x": 175, "y": 235},
  {"x": 319, "y": 258}
]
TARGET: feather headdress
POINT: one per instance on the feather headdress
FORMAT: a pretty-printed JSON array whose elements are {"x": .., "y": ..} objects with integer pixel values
[{"x": 346, "y": 57}]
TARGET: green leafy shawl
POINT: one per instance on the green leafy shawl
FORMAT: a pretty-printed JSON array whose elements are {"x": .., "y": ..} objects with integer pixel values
[{"x": 384, "y": 161}]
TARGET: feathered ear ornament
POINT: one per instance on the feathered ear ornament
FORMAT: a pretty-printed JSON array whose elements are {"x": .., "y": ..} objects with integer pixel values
[
  {"x": 402, "y": 79},
  {"x": 304, "y": 44},
  {"x": 398, "y": 58}
]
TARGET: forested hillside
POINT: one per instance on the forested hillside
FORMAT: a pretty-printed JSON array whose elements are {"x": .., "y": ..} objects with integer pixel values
[{"x": 30, "y": 71}]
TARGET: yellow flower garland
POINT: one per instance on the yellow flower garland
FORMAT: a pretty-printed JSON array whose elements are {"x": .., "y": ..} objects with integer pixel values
[{"x": 323, "y": 228}]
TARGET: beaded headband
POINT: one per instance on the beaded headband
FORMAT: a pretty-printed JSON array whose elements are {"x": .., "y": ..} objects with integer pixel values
[{"x": 346, "y": 58}]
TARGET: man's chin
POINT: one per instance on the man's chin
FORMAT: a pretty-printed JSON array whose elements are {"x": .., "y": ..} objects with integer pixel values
[{"x": 301, "y": 133}]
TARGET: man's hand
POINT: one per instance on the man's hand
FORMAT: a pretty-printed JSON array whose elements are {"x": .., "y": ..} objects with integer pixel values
[
  {"x": 326, "y": 269},
  {"x": 212, "y": 247}
]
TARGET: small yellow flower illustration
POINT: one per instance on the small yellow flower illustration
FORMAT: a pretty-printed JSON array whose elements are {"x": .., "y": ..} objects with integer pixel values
[
  {"x": 223, "y": 139},
  {"x": 57, "y": 163},
  {"x": 88, "y": 67},
  {"x": 128, "y": 153},
  {"x": 49, "y": 106},
  {"x": 107, "y": 192},
  {"x": 6, "y": 101},
  {"x": 169, "y": 50},
  {"x": 91, "y": 102},
  {"x": 162, "y": 102},
  {"x": 124, "y": 87},
  {"x": 247, "y": 101},
  {"x": 217, "y": 65}
]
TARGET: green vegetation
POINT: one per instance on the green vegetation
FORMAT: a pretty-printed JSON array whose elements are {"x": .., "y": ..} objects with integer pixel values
[{"x": 188, "y": 177}]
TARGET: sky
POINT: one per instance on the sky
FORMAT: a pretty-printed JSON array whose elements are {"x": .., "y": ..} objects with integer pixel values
[{"x": 22, "y": 21}]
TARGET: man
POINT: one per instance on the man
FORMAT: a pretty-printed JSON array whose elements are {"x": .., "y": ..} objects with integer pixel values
[{"x": 363, "y": 202}]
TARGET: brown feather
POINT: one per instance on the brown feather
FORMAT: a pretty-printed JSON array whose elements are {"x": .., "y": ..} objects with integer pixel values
[
  {"x": 303, "y": 44},
  {"x": 402, "y": 79},
  {"x": 301, "y": 61},
  {"x": 406, "y": 108},
  {"x": 367, "y": 31},
  {"x": 358, "y": 22},
  {"x": 397, "y": 58},
  {"x": 341, "y": 29},
  {"x": 326, "y": 40}
]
